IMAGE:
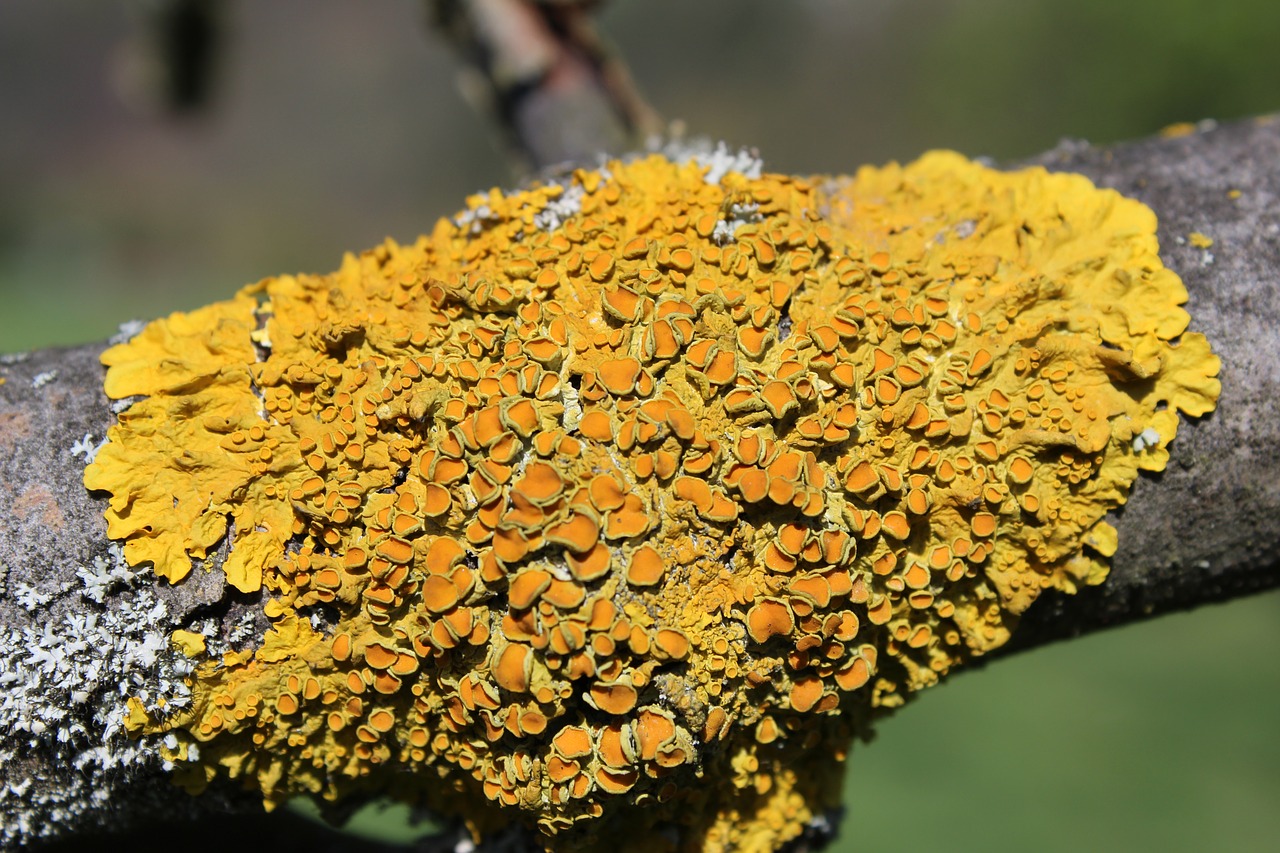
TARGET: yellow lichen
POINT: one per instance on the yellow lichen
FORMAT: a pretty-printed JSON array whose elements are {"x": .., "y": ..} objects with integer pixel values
[
  {"x": 1178, "y": 130},
  {"x": 189, "y": 643},
  {"x": 626, "y": 520}
]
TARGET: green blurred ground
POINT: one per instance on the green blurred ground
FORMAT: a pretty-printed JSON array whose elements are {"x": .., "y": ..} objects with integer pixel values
[{"x": 337, "y": 124}]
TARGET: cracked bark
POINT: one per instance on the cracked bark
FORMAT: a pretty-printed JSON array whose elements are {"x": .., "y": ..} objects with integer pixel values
[{"x": 1204, "y": 530}]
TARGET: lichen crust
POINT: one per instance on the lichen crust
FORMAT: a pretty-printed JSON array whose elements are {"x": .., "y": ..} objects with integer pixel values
[{"x": 626, "y": 520}]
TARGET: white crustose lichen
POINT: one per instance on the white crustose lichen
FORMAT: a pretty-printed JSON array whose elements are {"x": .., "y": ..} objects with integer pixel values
[{"x": 71, "y": 658}]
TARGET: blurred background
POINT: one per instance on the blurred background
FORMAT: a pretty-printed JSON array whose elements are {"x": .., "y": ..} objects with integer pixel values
[{"x": 332, "y": 125}]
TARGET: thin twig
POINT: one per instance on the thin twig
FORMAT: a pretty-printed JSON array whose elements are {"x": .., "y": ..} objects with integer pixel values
[{"x": 558, "y": 91}]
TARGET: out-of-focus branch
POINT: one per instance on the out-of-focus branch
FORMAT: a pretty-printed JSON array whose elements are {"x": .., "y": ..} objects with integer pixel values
[
  {"x": 172, "y": 61},
  {"x": 558, "y": 91}
]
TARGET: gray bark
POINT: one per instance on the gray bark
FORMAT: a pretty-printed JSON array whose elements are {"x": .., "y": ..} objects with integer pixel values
[{"x": 82, "y": 630}]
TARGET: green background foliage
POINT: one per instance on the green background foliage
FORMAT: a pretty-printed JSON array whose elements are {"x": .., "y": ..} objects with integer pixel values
[{"x": 336, "y": 124}]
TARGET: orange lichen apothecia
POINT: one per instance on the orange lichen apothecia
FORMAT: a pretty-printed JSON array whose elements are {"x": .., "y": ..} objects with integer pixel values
[{"x": 622, "y": 504}]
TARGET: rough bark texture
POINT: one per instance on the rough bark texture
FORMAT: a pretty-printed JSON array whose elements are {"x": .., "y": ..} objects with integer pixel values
[
  {"x": 1204, "y": 530},
  {"x": 82, "y": 631}
]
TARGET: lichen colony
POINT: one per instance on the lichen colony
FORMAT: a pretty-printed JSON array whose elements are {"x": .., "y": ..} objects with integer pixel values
[{"x": 621, "y": 504}]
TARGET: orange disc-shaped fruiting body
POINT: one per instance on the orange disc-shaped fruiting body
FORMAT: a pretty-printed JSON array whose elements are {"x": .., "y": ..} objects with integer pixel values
[{"x": 623, "y": 502}]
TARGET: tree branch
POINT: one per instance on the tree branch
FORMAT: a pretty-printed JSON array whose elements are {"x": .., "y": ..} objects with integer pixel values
[
  {"x": 83, "y": 631},
  {"x": 560, "y": 94}
]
